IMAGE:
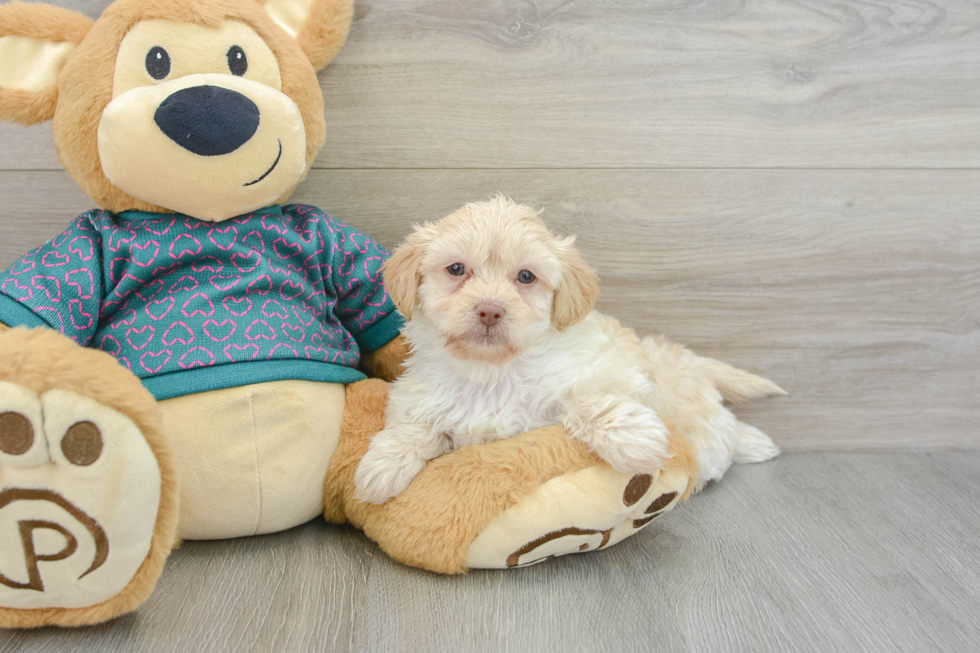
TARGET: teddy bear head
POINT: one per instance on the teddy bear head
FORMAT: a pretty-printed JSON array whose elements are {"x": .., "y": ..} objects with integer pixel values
[{"x": 209, "y": 108}]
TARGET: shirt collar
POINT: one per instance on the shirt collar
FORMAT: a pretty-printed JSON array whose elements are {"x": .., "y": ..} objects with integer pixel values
[{"x": 131, "y": 216}]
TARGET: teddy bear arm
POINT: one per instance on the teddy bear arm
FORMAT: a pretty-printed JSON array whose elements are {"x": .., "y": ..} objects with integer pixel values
[
  {"x": 387, "y": 363},
  {"x": 3, "y": 327},
  {"x": 432, "y": 523}
]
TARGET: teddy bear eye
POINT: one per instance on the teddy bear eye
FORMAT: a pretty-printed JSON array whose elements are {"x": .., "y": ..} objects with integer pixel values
[
  {"x": 456, "y": 269},
  {"x": 157, "y": 62},
  {"x": 526, "y": 276},
  {"x": 237, "y": 61}
]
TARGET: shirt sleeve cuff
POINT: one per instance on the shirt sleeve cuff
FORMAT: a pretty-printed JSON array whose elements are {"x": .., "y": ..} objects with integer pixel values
[
  {"x": 378, "y": 335},
  {"x": 15, "y": 314}
]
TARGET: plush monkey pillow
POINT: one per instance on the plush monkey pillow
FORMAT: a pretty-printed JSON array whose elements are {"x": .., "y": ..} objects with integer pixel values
[{"x": 184, "y": 361}]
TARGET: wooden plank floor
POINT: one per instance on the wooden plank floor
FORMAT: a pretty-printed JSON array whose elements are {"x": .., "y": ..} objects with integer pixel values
[{"x": 810, "y": 552}]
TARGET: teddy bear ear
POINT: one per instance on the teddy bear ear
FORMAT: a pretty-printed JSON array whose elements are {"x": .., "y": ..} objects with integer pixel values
[
  {"x": 319, "y": 26},
  {"x": 35, "y": 41}
]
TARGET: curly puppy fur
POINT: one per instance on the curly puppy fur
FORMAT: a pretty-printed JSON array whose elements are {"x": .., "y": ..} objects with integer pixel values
[{"x": 505, "y": 340}]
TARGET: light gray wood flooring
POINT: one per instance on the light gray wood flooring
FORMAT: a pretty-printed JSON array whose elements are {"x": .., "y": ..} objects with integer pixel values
[{"x": 809, "y": 552}]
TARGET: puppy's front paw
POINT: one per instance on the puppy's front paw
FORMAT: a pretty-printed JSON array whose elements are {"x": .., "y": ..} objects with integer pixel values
[
  {"x": 625, "y": 433},
  {"x": 385, "y": 471}
]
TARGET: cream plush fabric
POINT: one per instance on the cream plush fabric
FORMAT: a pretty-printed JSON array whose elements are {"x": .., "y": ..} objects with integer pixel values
[
  {"x": 99, "y": 536},
  {"x": 252, "y": 459},
  {"x": 46, "y": 60},
  {"x": 589, "y": 509}
]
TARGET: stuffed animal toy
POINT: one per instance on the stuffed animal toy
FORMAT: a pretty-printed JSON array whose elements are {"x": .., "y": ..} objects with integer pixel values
[{"x": 184, "y": 361}]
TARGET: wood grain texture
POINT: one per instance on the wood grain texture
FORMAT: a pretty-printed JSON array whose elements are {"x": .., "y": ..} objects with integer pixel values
[
  {"x": 812, "y": 552},
  {"x": 616, "y": 83},
  {"x": 857, "y": 291}
]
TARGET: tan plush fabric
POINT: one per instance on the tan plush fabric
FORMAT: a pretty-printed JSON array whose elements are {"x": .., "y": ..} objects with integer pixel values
[
  {"x": 252, "y": 459},
  {"x": 435, "y": 521},
  {"x": 42, "y": 24},
  {"x": 87, "y": 80},
  {"x": 585, "y": 510},
  {"x": 138, "y": 158},
  {"x": 41, "y": 360},
  {"x": 320, "y": 26},
  {"x": 325, "y": 30},
  {"x": 388, "y": 362},
  {"x": 89, "y": 516},
  {"x": 288, "y": 14}
]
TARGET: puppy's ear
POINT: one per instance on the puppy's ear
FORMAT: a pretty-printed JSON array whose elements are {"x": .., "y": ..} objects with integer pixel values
[
  {"x": 403, "y": 271},
  {"x": 35, "y": 41},
  {"x": 578, "y": 291},
  {"x": 319, "y": 26}
]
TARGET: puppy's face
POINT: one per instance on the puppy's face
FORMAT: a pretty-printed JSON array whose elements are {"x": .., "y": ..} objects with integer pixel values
[{"x": 490, "y": 280}]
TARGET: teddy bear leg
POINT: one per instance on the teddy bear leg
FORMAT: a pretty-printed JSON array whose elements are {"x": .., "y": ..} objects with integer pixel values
[
  {"x": 88, "y": 501},
  {"x": 583, "y": 510},
  {"x": 503, "y": 504}
]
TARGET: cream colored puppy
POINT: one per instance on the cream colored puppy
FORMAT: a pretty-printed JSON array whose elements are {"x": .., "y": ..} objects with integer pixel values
[{"x": 504, "y": 340}]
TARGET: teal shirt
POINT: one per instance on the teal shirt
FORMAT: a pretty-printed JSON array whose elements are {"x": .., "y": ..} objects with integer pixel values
[{"x": 190, "y": 306}]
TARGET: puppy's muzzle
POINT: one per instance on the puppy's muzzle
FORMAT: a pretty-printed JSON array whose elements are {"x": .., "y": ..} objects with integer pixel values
[
  {"x": 489, "y": 313},
  {"x": 208, "y": 120}
]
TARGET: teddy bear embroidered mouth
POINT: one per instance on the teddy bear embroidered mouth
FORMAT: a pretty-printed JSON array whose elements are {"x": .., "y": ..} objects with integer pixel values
[
  {"x": 205, "y": 134},
  {"x": 267, "y": 172},
  {"x": 212, "y": 176}
]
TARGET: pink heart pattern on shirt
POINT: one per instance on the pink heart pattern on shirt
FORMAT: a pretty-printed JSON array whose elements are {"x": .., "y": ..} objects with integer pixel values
[{"x": 164, "y": 294}]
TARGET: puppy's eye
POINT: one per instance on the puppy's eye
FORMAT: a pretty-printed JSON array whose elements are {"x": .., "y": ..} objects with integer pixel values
[
  {"x": 157, "y": 62},
  {"x": 237, "y": 61},
  {"x": 526, "y": 276},
  {"x": 456, "y": 269}
]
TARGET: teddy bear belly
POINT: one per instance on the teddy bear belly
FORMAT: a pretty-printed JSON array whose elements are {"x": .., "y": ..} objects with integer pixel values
[{"x": 252, "y": 459}]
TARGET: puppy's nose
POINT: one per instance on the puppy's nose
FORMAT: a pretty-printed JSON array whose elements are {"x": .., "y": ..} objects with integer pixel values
[
  {"x": 490, "y": 313},
  {"x": 208, "y": 120}
]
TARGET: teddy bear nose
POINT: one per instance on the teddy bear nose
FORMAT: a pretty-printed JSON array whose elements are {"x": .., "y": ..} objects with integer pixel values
[
  {"x": 208, "y": 120},
  {"x": 490, "y": 313}
]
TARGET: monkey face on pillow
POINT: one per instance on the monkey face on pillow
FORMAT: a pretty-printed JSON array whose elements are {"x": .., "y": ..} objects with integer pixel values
[{"x": 209, "y": 108}]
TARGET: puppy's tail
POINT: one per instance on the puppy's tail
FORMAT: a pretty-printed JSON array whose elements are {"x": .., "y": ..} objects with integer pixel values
[
  {"x": 738, "y": 386},
  {"x": 753, "y": 446}
]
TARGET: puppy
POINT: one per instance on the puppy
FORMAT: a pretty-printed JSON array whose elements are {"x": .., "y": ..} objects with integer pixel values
[{"x": 504, "y": 340}]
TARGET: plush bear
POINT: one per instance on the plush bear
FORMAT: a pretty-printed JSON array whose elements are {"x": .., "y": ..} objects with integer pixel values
[{"x": 186, "y": 361}]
